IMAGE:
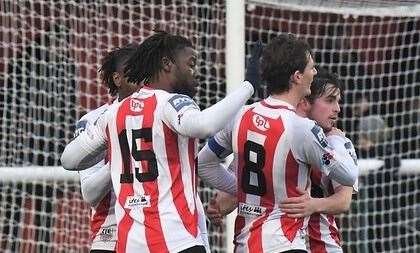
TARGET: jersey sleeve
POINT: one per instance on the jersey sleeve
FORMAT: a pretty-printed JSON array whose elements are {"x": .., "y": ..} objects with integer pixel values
[
  {"x": 184, "y": 116},
  {"x": 313, "y": 148},
  {"x": 212, "y": 171},
  {"x": 95, "y": 183},
  {"x": 88, "y": 148},
  {"x": 339, "y": 143}
]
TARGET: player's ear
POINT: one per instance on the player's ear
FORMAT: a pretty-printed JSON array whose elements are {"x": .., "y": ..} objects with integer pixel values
[
  {"x": 166, "y": 64},
  {"x": 296, "y": 77},
  {"x": 116, "y": 77}
]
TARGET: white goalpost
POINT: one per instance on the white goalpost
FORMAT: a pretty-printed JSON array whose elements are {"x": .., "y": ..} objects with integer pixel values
[{"x": 50, "y": 52}]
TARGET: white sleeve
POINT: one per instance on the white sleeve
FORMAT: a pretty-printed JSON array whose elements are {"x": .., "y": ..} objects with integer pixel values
[
  {"x": 96, "y": 183},
  {"x": 314, "y": 146},
  {"x": 87, "y": 149},
  {"x": 212, "y": 171},
  {"x": 183, "y": 115},
  {"x": 344, "y": 145}
]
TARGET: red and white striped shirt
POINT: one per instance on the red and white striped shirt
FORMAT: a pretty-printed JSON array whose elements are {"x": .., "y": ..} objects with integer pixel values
[
  {"x": 324, "y": 235},
  {"x": 153, "y": 173},
  {"x": 274, "y": 149},
  {"x": 152, "y": 145}
]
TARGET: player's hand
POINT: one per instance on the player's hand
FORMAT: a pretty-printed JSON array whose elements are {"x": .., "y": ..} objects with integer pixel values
[
  {"x": 252, "y": 74},
  {"x": 213, "y": 213},
  {"x": 336, "y": 131},
  {"x": 298, "y": 207}
]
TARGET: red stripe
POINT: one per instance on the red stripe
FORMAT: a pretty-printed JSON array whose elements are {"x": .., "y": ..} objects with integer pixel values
[
  {"x": 314, "y": 232},
  {"x": 190, "y": 220},
  {"x": 291, "y": 176},
  {"x": 255, "y": 237},
  {"x": 334, "y": 233},
  {"x": 192, "y": 159},
  {"x": 101, "y": 212},
  {"x": 316, "y": 176},
  {"x": 290, "y": 226},
  {"x": 125, "y": 189}
]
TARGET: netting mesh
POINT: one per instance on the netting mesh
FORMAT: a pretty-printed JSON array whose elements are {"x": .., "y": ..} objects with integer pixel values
[
  {"x": 50, "y": 52},
  {"x": 378, "y": 58}
]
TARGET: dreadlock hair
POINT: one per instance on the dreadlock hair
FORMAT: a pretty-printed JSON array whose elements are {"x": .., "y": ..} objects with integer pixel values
[
  {"x": 113, "y": 62},
  {"x": 146, "y": 63},
  {"x": 320, "y": 83}
]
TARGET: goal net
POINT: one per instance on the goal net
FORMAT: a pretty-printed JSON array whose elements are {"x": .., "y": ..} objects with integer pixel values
[
  {"x": 375, "y": 48},
  {"x": 50, "y": 52}
]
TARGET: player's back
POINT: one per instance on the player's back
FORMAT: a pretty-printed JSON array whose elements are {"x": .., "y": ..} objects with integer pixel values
[
  {"x": 153, "y": 172},
  {"x": 270, "y": 167}
]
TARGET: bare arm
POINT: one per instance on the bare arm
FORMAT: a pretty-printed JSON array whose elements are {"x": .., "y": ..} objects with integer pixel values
[{"x": 305, "y": 205}]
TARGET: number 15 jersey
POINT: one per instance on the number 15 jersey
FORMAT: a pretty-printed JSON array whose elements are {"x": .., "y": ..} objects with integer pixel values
[{"x": 153, "y": 172}]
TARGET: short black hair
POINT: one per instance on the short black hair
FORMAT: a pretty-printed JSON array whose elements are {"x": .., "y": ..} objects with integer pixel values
[
  {"x": 320, "y": 83},
  {"x": 112, "y": 62},
  {"x": 282, "y": 57},
  {"x": 146, "y": 63}
]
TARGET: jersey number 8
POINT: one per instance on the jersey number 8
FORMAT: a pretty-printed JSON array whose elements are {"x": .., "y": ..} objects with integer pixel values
[{"x": 253, "y": 180}]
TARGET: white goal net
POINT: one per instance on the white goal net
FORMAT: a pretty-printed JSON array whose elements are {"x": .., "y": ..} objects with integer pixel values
[{"x": 50, "y": 52}]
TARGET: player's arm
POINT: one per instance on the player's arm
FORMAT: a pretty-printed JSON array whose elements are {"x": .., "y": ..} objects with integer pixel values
[
  {"x": 318, "y": 151},
  {"x": 87, "y": 149},
  {"x": 212, "y": 171},
  {"x": 95, "y": 183},
  {"x": 305, "y": 205},
  {"x": 187, "y": 119}
]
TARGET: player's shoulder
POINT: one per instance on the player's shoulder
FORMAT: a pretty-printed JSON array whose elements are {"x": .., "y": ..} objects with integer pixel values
[
  {"x": 299, "y": 123},
  {"x": 179, "y": 101},
  {"x": 94, "y": 114}
]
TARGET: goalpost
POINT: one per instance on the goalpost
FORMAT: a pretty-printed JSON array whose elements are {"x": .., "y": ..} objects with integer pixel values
[{"x": 50, "y": 52}]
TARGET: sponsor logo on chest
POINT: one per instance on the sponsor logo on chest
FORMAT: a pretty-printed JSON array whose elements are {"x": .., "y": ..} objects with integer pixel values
[
  {"x": 136, "y": 105},
  {"x": 139, "y": 201},
  {"x": 260, "y": 122},
  {"x": 250, "y": 210}
]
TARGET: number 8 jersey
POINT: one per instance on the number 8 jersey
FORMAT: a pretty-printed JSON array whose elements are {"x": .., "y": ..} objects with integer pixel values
[{"x": 274, "y": 149}]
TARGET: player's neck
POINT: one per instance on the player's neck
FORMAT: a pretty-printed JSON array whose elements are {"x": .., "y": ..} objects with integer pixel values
[
  {"x": 161, "y": 83},
  {"x": 288, "y": 97}
]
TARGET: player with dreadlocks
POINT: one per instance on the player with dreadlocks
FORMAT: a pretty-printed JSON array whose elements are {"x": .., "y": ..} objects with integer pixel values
[
  {"x": 96, "y": 181},
  {"x": 153, "y": 137}
]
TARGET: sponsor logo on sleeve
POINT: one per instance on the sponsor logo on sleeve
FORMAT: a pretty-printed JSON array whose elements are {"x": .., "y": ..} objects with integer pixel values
[
  {"x": 260, "y": 122},
  {"x": 245, "y": 209},
  {"x": 136, "y": 202},
  {"x": 327, "y": 158},
  {"x": 352, "y": 152},
  {"x": 180, "y": 101},
  {"x": 136, "y": 105},
  {"x": 319, "y": 135},
  {"x": 80, "y": 127}
]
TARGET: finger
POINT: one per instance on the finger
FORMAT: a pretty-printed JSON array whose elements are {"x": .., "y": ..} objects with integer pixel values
[{"x": 293, "y": 200}]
